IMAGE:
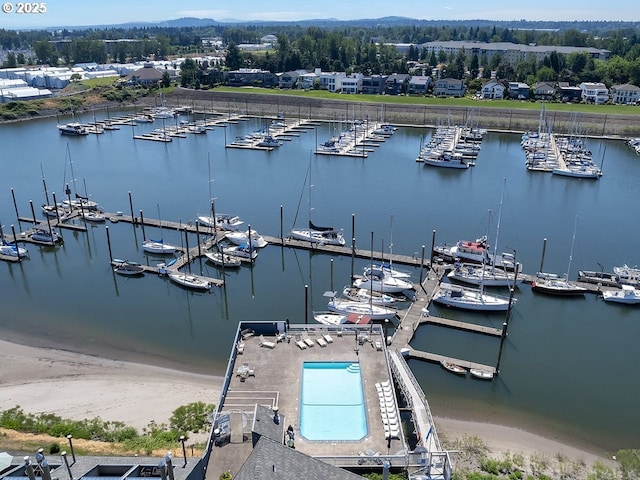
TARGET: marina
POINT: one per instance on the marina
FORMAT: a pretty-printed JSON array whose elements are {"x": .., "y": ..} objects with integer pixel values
[{"x": 176, "y": 170}]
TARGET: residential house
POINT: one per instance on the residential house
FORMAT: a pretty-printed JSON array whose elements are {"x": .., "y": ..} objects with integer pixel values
[
  {"x": 594, "y": 92},
  {"x": 251, "y": 77},
  {"x": 330, "y": 81},
  {"x": 418, "y": 85},
  {"x": 352, "y": 84},
  {"x": 568, "y": 93},
  {"x": 625, "y": 94},
  {"x": 519, "y": 90},
  {"x": 306, "y": 81},
  {"x": 543, "y": 91},
  {"x": 396, "y": 84},
  {"x": 449, "y": 87},
  {"x": 492, "y": 90},
  {"x": 289, "y": 79},
  {"x": 374, "y": 84}
]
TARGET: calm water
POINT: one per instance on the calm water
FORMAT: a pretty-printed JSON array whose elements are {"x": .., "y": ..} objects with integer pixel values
[{"x": 569, "y": 365}]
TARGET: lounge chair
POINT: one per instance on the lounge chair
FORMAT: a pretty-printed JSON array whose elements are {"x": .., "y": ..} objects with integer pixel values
[
  {"x": 266, "y": 343},
  {"x": 310, "y": 343},
  {"x": 327, "y": 338},
  {"x": 301, "y": 344},
  {"x": 321, "y": 342},
  {"x": 240, "y": 348}
]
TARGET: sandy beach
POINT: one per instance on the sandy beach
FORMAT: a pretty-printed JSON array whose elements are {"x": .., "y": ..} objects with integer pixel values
[{"x": 78, "y": 386}]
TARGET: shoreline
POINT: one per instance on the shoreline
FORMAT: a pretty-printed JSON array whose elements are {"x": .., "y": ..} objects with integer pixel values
[{"x": 78, "y": 386}]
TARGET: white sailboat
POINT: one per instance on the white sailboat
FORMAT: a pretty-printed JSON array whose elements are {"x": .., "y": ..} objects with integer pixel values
[
  {"x": 316, "y": 234},
  {"x": 489, "y": 275},
  {"x": 553, "y": 284},
  {"x": 158, "y": 246}
]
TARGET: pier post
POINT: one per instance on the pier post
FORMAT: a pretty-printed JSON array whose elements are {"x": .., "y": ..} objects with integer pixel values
[
  {"x": 433, "y": 244},
  {"x": 55, "y": 204},
  {"x": 15, "y": 206},
  {"x": 46, "y": 192},
  {"x": 422, "y": 263},
  {"x": 353, "y": 232},
  {"x": 198, "y": 239},
  {"x": 15, "y": 239},
  {"x": 353, "y": 255},
  {"x": 544, "y": 250},
  {"x": 50, "y": 231},
  {"x": 133, "y": 219},
  {"x": 306, "y": 304},
  {"x": 144, "y": 238},
  {"x": 281, "y": 224},
  {"x": 106, "y": 229},
  {"x": 502, "y": 337},
  {"x": 331, "y": 274},
  {"x": 33, "y": 212},
  {"x": 186, "y": 244}
]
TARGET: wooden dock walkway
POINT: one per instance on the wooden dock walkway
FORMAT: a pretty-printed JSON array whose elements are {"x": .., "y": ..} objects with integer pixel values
[{"x": 418, "y": 314}]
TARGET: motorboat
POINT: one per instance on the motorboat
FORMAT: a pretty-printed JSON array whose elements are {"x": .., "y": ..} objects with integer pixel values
[
  {"x": 471, "y": 299},
  {"x": 158, "y": 247},
  {"x": 375, "y": 312},
  {"x": 554, "y": 285},
  {"x": 189, "y": 281},
  {"x": 93, "y": 216},
  {"x": 627, "y": 295},
  {"x": 602, "y": 278},
  {"x": 486, "y": 275},
  {"x": 330, "y": 318},
  {"x": 588, "y": 171},
  {"x": 241, "y": 238},
  {"x": 627, "y": 275},
  {"x": 13, "y": 250},
  {"x": 379, "y": 281},
  {"x": 243, "y": 252},
  {"x": 269, "y": 141},
  {"x": 223, "y": 259},
  {"x": 221, "y": 220},
  {"x": 55, "y": 211},
  {"x": 476, "y": 251},
  {"x": 481, "y": 374},
  {"x": 41, "y": 235},
  {"x": 453, "y": 367},
  {"x": 319, "y": 235},
  {"x": 127, "y": 268},
  {"x": 73, "y": 129},
  {"x": 365, "y": 296}
]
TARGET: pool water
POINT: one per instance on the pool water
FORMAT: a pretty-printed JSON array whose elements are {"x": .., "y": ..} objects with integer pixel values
[{"x": 332, "y": 402}]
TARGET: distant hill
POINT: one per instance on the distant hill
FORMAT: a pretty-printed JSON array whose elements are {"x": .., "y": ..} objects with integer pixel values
[{"x": 591, "y": 26}]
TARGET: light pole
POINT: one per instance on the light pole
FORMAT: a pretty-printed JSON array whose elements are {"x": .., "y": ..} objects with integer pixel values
[
  {"x": 184, "y": 451},
  {"x": 73, "y": 454}
]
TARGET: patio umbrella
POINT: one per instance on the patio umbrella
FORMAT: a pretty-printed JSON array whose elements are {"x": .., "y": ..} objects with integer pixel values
[{"x": 5, "y": 460}]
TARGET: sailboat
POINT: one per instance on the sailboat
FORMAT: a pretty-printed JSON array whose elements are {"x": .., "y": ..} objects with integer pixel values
[
  {"x": 489, "y": 275},
  {"x": 158, "y": 246},
  {"x": 553, "y": 284},
  {"x": 314, "y": 233},
  {"x": 223, "y": 221},
  {"x": 468, "y": 298}
]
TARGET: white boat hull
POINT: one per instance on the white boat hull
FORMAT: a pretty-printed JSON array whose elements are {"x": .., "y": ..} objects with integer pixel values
[
  {"x": 151, "y": 246},
  {"x": 375, "y": 312},
  {"x": 229, "y": 223},
  {"x": 628, "y": 295},
  {"x": 363, "y": 295},
  {"x": 330, "y": 318},
  {"x": 386, "y": 285},
  {"x": 470, "y": 299},
  {"x": 189, "y": 281},
  {"x": 242, "y": 238},
  {"x": 14, "y": 251},
  {"x": 319, "y": 237},
  {"x": 223, "y": 260},
  {"x": 490, "y": 277}
]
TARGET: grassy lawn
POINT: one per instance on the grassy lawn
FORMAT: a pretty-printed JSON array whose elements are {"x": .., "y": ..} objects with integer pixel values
[{"x": 465, "y": 102}]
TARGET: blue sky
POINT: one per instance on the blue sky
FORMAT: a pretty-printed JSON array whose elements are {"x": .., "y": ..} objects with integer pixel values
[{"x": 77, "y": 13}]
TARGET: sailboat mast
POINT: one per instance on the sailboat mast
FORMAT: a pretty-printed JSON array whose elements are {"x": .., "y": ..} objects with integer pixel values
[
  {"x": 495, "y": 247},
  {"x": 573, "y": 241}
]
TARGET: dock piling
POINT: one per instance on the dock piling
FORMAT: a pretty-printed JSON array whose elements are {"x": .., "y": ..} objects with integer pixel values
[
  {"x": 544, "y": 251},
  {"x": 33, "y": 212},
  {"x": 144, "y": 238},
  {"x": 133, "y": 218},
  {"x": 15, "y": 206},
  {"x": 106, "y": 228}
]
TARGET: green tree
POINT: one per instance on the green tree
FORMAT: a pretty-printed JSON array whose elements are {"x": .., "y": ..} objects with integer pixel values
[
  {"x": 166, "y": 79},
  {"x": 193, "y": 417},
  {"x": 11, "y": 60},
  {"x": 188, "y": 72},
  {"x": 233, "y": 59},
  {"x": 45, "y": 53}
]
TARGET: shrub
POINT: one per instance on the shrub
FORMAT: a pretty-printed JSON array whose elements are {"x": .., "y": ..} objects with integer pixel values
[{"x": 54, "y": 447}]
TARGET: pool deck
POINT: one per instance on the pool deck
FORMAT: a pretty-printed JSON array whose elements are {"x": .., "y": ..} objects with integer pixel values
[{"x": 273, "y": 378}]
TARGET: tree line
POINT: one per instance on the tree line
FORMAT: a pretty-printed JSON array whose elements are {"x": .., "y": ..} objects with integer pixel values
[{"x": 345, "y": 46}]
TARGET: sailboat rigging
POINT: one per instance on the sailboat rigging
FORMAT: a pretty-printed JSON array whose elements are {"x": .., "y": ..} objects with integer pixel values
[
  {"x": 553, "y": 284},
  {"x": 158, "y": 246},
  {"x": 314, "y": 234}
]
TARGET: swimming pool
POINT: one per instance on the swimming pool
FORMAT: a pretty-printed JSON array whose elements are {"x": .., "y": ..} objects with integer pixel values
[{"x": 332, "y": 402}]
